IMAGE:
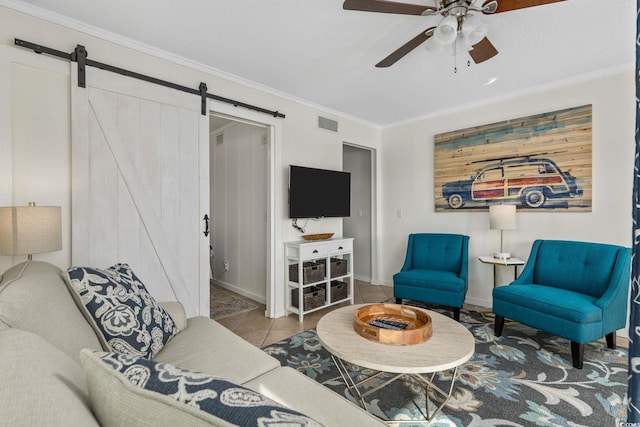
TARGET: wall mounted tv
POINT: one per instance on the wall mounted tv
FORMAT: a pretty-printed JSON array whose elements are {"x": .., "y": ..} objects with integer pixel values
[{"x": 316, "y": 193}]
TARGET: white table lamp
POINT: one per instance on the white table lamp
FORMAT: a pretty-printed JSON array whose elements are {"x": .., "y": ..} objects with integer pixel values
[
  {"x": 27, "y": 230},
  {"x": 502, "y": 217}
]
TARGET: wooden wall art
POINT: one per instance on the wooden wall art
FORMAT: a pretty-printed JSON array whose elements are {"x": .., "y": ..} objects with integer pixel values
[{"x": 538, "y": 163}]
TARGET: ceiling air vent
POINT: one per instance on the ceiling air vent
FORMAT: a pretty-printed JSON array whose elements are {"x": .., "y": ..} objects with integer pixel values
[{"x": 327, "y": 124}]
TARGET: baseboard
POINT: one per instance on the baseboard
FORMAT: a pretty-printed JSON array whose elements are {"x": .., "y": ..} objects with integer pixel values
[
  {"x": 362, "y": 278},
  {"x": 240, "y": 291},
  {"x": 482, "y": 302}
]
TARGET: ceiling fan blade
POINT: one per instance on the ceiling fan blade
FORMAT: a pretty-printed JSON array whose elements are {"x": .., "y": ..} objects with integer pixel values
[
  {"x": 507, "y": 5},
  {"x": 399, "y": 53},
  {"x": 385, "y": 6},
  {"x": 482, "y": 51}
]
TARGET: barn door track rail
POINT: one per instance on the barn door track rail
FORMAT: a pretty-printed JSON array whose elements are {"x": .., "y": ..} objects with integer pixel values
[{"x": 80, "y": 56}]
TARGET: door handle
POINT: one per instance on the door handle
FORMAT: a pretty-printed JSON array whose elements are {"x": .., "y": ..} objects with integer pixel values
[{"x": 206, "y": 225}]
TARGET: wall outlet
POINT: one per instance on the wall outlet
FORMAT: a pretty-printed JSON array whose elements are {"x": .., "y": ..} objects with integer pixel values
[
  {"x": 400, "y": 213},
  {"x": 226, "y": 265}
]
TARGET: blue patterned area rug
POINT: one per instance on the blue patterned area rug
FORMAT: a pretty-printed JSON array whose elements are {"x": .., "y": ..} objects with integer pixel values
[{"x": 524, "y": 378}]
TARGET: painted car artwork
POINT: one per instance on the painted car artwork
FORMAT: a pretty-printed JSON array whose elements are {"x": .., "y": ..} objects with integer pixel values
[
  {"x": 541, "y": 162},
  {"x": 530, "y": 180}
]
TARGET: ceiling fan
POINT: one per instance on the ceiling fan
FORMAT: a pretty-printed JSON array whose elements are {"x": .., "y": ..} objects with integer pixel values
[{"x": 459, "y": 30}]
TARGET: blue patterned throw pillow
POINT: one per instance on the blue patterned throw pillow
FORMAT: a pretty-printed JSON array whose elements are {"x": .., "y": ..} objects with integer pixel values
[
  {"x": 131, "y": 386},
  {"x": 126, "y": 318}
]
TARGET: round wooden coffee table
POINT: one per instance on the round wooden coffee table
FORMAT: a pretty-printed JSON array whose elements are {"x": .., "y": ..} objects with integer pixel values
[{"x": 450, "y": 346}]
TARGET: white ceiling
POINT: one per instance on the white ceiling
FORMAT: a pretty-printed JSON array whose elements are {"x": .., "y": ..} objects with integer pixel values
[{"x": 316, "y": 51}]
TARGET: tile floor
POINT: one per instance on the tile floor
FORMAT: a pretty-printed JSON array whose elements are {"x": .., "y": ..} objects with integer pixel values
[{"x": 260, "y": 331}]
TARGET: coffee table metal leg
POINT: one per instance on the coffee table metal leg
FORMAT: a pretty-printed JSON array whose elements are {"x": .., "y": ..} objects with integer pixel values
[
  {"x": 428, "y": 383},
  {"x": 353, "y": 388}
]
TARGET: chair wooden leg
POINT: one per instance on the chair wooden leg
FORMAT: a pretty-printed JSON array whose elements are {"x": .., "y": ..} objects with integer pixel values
[
  {"x": 611, "y": 340},
  {"x": 577, "y": 354},
  {"x": 498, "y": 325},
  {"x": 398, "y": 300},
  {"x": 456, "y": 314}
]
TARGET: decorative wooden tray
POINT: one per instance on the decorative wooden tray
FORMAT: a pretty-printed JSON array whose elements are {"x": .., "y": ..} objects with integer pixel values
[
  {"x": 390, "y": 320},
  {"x": 322, "y": 236}
]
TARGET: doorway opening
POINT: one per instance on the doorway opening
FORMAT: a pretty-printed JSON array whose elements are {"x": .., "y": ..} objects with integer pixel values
[
  {"x": 360, "y": 162},
  {"x": 242, "y": 202},
  {"x": 238, "y": 206}
]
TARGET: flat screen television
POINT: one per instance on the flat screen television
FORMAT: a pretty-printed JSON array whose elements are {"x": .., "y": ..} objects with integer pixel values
[{"x": 317, "y": 193}]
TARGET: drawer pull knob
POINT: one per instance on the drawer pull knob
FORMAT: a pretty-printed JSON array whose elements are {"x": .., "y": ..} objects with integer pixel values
[
  {"x": 315, "y": 251},
  {"x": 340, "y": 248}
]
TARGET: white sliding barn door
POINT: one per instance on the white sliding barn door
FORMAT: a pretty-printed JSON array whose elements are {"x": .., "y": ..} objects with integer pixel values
[{"x": 140, "y": 186}]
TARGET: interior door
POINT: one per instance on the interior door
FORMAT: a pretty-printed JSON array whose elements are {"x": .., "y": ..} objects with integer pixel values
[{"x": 140, "y": 184}]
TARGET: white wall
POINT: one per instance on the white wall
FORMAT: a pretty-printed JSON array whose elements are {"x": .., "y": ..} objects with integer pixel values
[
  {"x": 301, "y": 142},
  {"x": 407, "y": 179},
  {"x": 34, "y": 141}
]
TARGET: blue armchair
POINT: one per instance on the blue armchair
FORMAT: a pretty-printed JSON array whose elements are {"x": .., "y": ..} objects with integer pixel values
[
  {"x": 576, "y": 290},
  {"x": 435, "y": 270}
]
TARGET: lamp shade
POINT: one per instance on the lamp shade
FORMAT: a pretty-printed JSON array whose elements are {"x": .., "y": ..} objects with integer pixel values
[
  {"x": 26, "y": 230},
  {"x": 502, "y": 217}
]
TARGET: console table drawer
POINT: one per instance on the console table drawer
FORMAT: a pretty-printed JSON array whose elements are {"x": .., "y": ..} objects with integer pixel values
[
  {"x": 341, "y": 247},
  {"x": 313, "y": 251}
]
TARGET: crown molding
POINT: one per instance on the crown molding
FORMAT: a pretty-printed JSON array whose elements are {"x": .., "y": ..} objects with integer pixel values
[{"x": 126, "y": 42}]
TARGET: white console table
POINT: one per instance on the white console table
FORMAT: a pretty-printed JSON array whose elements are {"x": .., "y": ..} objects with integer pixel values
[{"x": 301, "y": 251}]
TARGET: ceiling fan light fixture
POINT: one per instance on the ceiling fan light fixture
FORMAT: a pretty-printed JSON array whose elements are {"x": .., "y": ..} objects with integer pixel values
[
  {"x": 447, "y": 31},
  {"x": 473, "y": 29},
  {"x": 432, "y": 46},
  {"x": 462, "y": 45},
  {"x": 456, "y": 35}
]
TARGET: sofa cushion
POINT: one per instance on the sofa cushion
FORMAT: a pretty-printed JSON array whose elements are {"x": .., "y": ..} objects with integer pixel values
[
  {"x": 40, "y": 385},
  {"x": 34, "y": 297},
  {"x": 436, "y": 279},
  {"x": 126, "y": 318},
  {"x": 558, "y": 303},
  {"x": 286, "y": 385},
  {"x": 433, "y": 251},
  {"x": 128, "y": 390},
  {"x": 177, "y": 313},
  {"x": 199, "y": 348},
  {"x": 576, "y": 266}
]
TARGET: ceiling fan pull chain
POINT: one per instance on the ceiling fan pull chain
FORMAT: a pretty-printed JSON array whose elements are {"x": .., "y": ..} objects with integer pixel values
[{"x": 455, "y": 56}]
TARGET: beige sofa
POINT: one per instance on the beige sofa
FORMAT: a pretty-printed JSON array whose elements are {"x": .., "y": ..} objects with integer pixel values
[{"x": 42, "y": 381}]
